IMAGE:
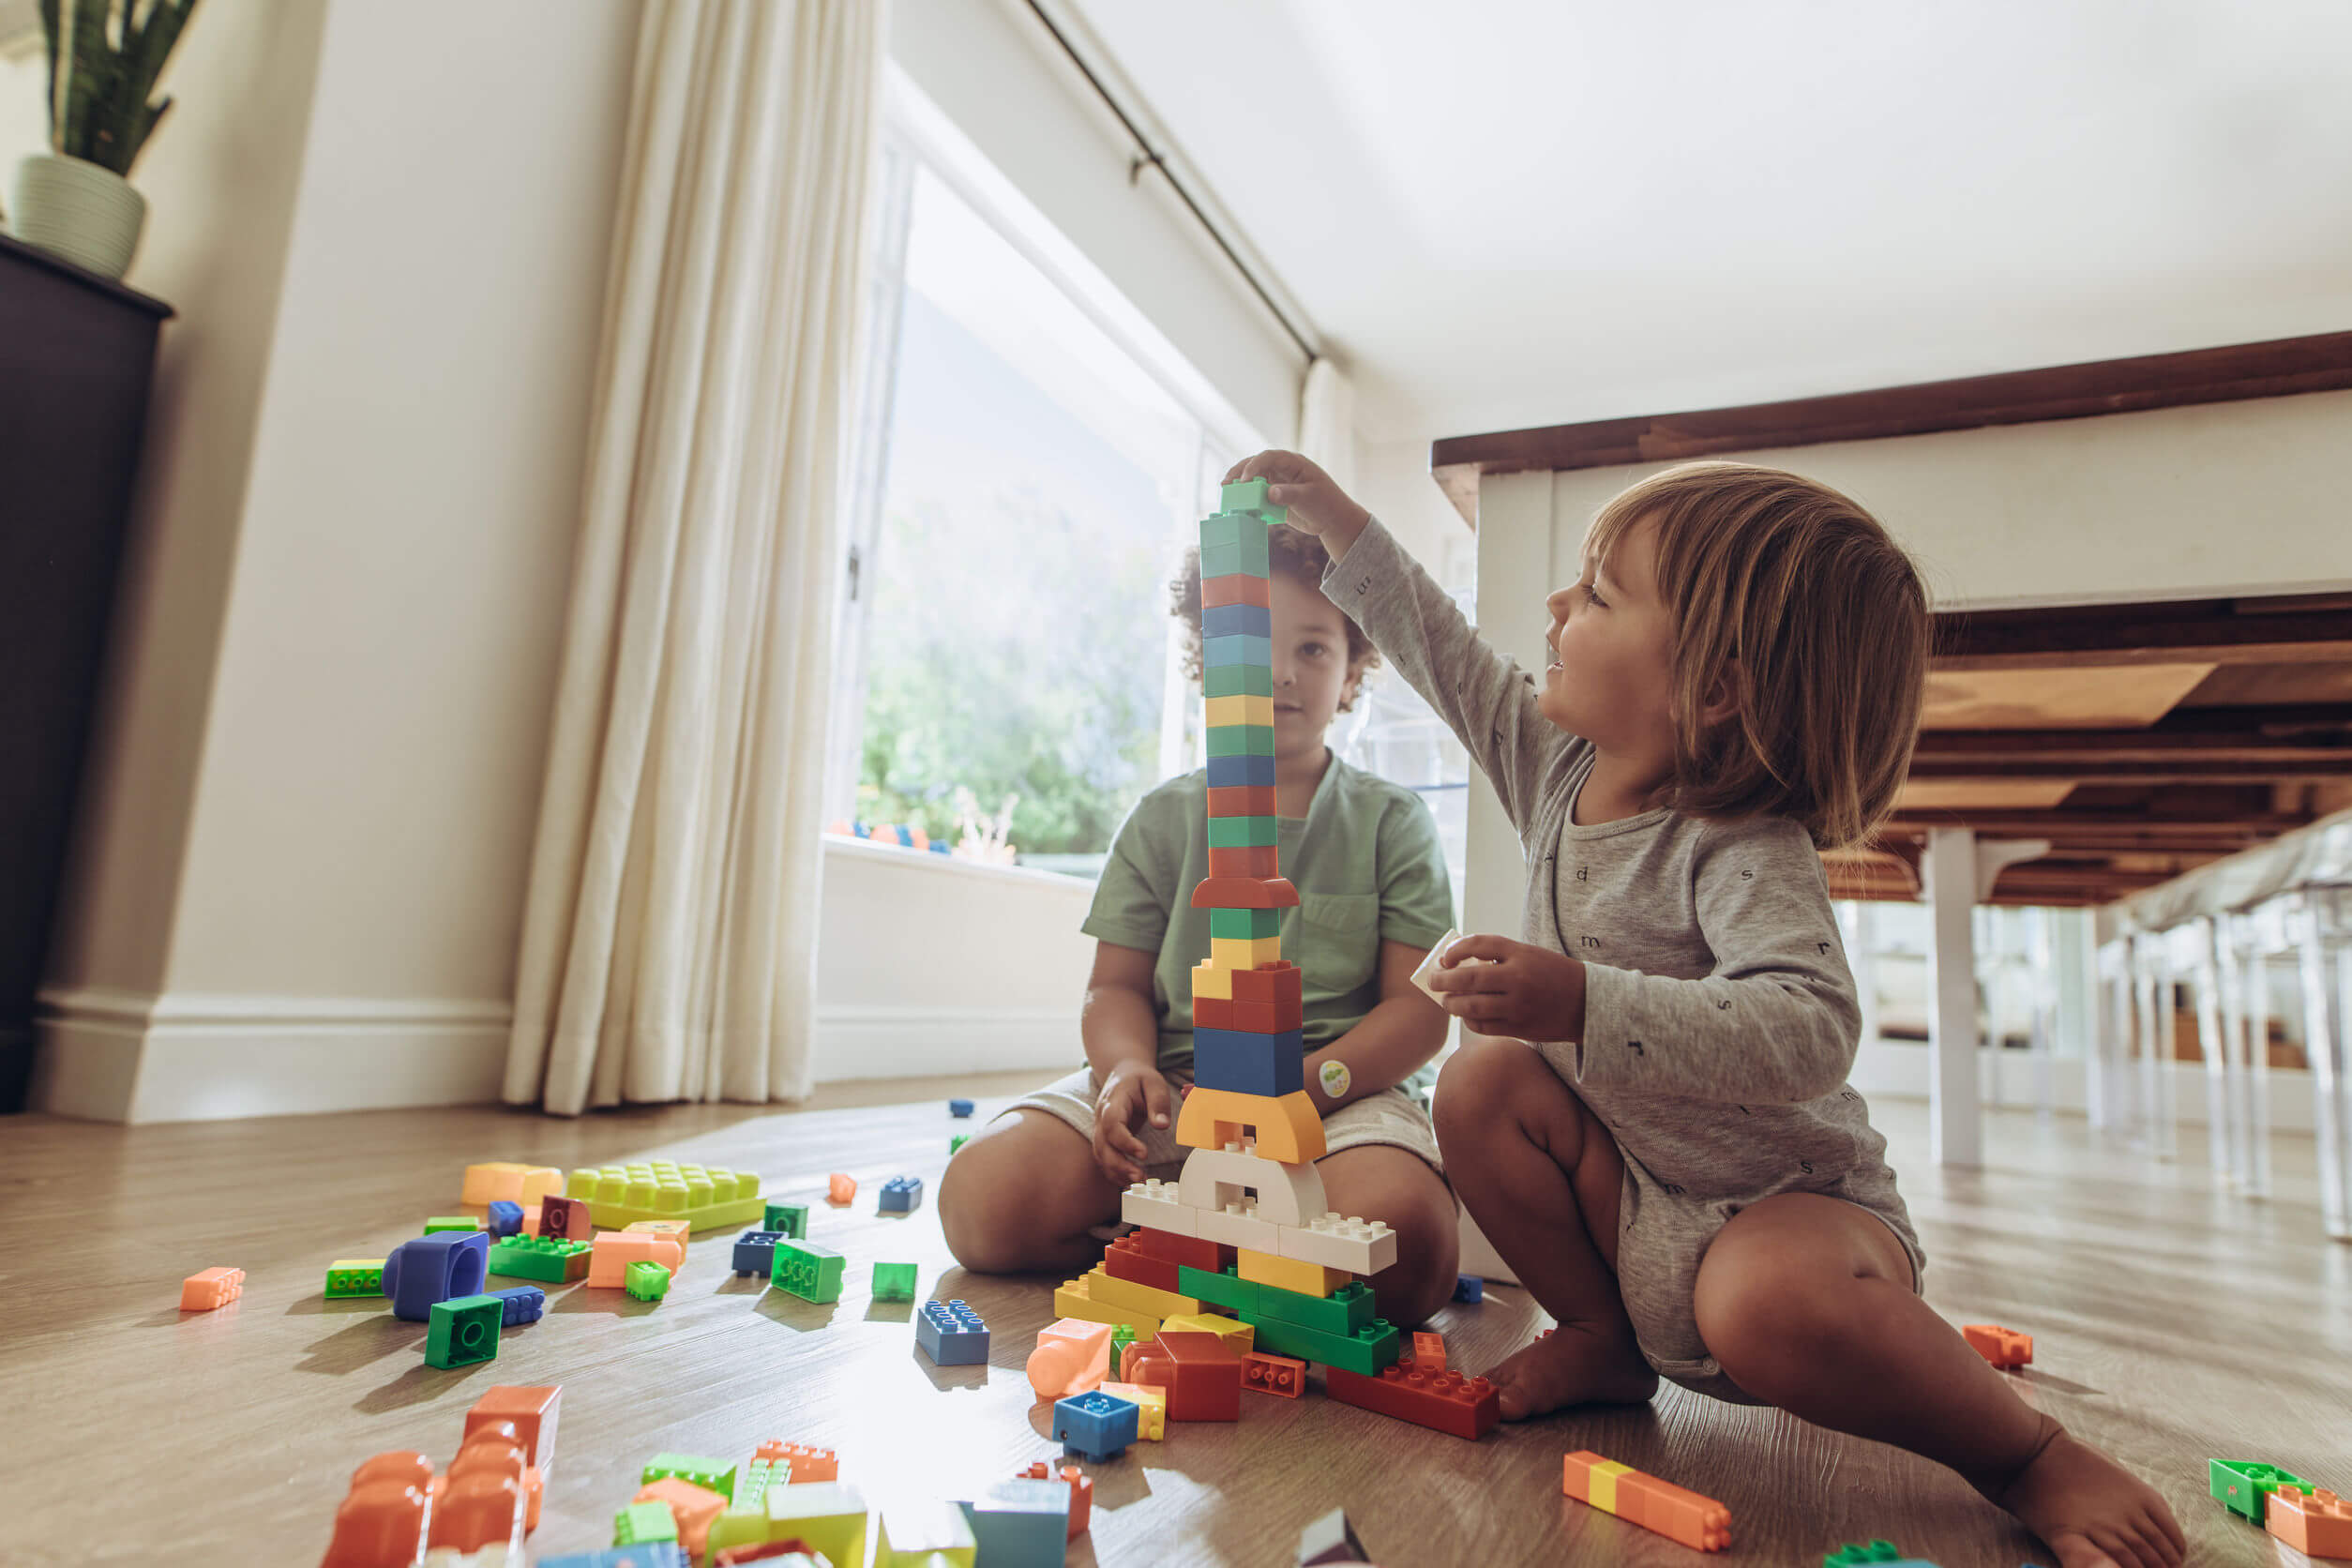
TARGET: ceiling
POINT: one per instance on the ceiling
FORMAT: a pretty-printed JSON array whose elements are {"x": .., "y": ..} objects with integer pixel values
[{"x": 1502, "y": 215}]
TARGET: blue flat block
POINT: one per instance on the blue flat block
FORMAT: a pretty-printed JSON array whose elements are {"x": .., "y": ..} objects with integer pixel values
[
  {"x": 960, "y": 1107},
  {"x": 519, "y": 1304},
  {"x": 435, "y": 1268},
  {"x": 505, "y": 1219},
  {"x": 1216, "y": 651},
  {"x": 657, "y": 1554},
  {"x": 1021, "y": 1524},
  {"x": 901, "y": 1194},
  {"x": 952, "y": 1335},
  {"x": 1468, "y": 1287},
  {"x": 1249, "y": 1063},
  {"x": 1237, "y": 620},
  {"x": 755, "y": 1252},
  {"x": 1227, "y": 771},
  {"x": 1096, "y": 1425}
]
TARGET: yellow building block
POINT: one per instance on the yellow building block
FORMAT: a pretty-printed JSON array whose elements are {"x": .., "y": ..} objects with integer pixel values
[
  {"x": 1288, "y": 1274},
  {"x": 1151, "y": 1407},
  {"x": 1210, "y": 980},
  {"x": 1286, "y": 1129},
  {"x": 1246, "y": 951},
  {"x": 1107, "y": 1289},
  {"x": 1075, "y": 1300},
  {"x": 1234, "y": 1333},
  {"x": 1241, "y": 710}
]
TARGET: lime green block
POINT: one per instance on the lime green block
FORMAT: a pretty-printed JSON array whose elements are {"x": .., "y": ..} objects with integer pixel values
[
  {"x": 647, "y": 1280},
  {"x": 957, "y": 1142},
  {"x": 2244, "y": 1486},
  {"x": 808, "y": 1270},
  {"x": 716, "y": 1475},
  {"x": 1242, "y": 832},
  {"x": 1238, "y": 680},
  {"x": 451, "y": 1222},
  {"x": 893, "y": 1282},
  {"x": 704, "y": 1196},
  {"x": 356, "y": 1276},
  {"x": 1240, "y": 740},
  {"x": 463, "y": 1330},
  {"x": 1245, "y": 922},
  {"x": 787, "y": 1219},
  {"x": 641, "y": 1523}
]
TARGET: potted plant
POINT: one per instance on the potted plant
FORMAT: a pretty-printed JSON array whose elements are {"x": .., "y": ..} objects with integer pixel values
[{"x": 104, "y": 56}]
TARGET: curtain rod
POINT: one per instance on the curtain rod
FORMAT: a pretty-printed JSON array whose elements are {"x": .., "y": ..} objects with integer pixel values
[{"x": 1153, "y": 159}]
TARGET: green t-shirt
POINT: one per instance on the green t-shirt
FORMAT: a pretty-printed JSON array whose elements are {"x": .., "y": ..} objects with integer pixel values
[{"x": 1365, "y": 860}]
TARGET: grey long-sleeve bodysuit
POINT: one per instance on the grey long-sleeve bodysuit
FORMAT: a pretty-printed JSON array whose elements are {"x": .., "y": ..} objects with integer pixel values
[{"x": 1720, "y": 1018}]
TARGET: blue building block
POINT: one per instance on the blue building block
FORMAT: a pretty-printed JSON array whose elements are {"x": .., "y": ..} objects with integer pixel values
[
  {"x": 960, "y": 1107},
  {"x": 505, "y": 1219},
  {"x": 521, "y": 1303},
  {"x": 1096, "y": 1425},
  {"x": 952, "y": 1335},
  {"x": 755, "y": 1252},
  {"x": 1246, "y": 1063},
  {"x": 1237, "y": 620},
  {"x": 900, "y": 1194},
  {"x": 1216, "y": 651},
  {"x": 1226, "y": 772},
  {"x": 652, "y": 1554},
  {"x": 1021, "y": 1524},
  {"x": 435, "y": 1268},
  {"x": 1468, "y": 1287}
]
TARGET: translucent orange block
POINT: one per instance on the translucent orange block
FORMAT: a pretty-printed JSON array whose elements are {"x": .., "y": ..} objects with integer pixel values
[
  {"x": 840, "y": 1189},
  {"x": 1072, "y": 1356},
  {"x": 2317, "y": 1523},
  {"x": 615, "y": 1250},
  {"x": 808, "y": 1464},
  {"x": 1699, "y": 1523},
  {"x": 533, "y": 1411},
  {"x": 215, "y": 1286},
  {"x": 1284, "y": 1129},
  {"x": 694, "y": 1508}
]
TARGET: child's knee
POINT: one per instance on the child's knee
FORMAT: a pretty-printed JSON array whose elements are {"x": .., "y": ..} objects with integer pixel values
[
  {"x": 982, "y": 1227},
  {"x": 1427, "y": 1253}
]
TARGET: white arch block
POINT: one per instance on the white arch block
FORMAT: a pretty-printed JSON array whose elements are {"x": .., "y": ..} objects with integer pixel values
[
  {"x": 1237, "y": 1225},
  {"x": 1358, "y": 1247},
  {"x": 1156, "y": 1206},
  {"x": 1286, "y": 1194}
]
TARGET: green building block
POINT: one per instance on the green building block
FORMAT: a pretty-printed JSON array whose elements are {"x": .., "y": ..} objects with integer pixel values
[
  {"x": 1238, "y": 680},
  {"x": 1242, "y": 832},
  {"x": 716, "y": 1475},
  {"x": 1227, "y": 1289},
  {"x": 757, "y": 1476},
  {"x": 1247, "y": 556},
  {"x": 642, "y": 1523},
  {"x": 1121, "y": 1335},
  {"x": 1240, "y": 740},
  {"x": 463, "y": 1330},
  {"x": 1343, "y": 1312},
  {"x": 356, "y": 1276},
  {"x": 1853, "y": 1556},
  {"x": 789, "y": 1219},
  {"x": 1245, "y": 924},
  {"x": 2244, "y": 1488},
  {"x": 451, "y": 1222},
  {"x": 553, "y": 1260},
  {"x": 704, "y": 1196},
  {"x": 1250, "y": 496},
  {"x": 808, "y": 1270},
  {"x": 1237, "y": 530},
  {"x": 957, "y": 1142},
  {"x": 893, "y": 1282},
  {"x": 647, "y": 1280},
  {"x": 1364, "y": 1351}
]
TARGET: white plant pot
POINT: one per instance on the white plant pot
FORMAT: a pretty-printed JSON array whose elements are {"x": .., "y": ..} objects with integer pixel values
[{"x": 71, "y": 207}]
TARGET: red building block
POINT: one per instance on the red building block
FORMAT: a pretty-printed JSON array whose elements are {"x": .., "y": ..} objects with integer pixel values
[
  {"x": 1278, "y": 985},
  {"x": 1258, "y": 860},
  {"x": 531, "y": 1410},
  {"x": 1081, "y": 1491},
  {"x": 1242, "y": 800},
  {"x": 1236, "y": 588},
  {"x": 2317, "y": 1523},
  {"x": 1200, "y": 1372},
  {"x": 1430, "y": 1352},
  {"x": 483, "y": 1507},
  {"x": 1272, "y": 1374},
  {"x": 2004, "y": 1348},
  {"x": 215, "y": 1286},
  {"x": 1244, "y": 893},
  {"x": 808, "y": 1464},
  {"x": 567, "y": 1217},
  {"x": 1127, "y": 1261},
  {"x": 1443, "y": 1401},
  {"x": 380, "y": 1523},
  {"x": 1256, "y": 1017},
  {"x": 1191, "y": 1251},
  {"x": 760, "y": 1551}
]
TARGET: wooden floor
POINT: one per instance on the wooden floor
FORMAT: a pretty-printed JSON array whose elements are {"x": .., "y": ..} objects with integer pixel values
[{"x": 2171, "y": 1324}]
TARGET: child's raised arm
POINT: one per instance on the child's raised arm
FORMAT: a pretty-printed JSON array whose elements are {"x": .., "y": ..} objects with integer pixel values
[{"x": 1483, "y": 696}]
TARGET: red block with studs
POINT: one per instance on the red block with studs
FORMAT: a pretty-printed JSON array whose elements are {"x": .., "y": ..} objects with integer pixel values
[
  {"x": 1272, "y": 1374},
  {"x": 1252, "y": 1017},
  {"x": 1081, "y": 1491},
  {"x": 1200, "y": 1372},
  {"x": 1278, "y": 985},
  {"x": 1189, "y": 1252},
  {"x": 1126, "y": 1260},
  {"x": 1442, "y": 1401}
]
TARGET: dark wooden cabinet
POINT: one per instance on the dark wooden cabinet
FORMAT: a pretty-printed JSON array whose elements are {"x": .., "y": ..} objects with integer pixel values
[{"x": 77, "y": 358}]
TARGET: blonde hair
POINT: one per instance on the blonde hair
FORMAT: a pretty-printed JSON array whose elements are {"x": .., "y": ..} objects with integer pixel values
[{"x": 1794, "y": 597}]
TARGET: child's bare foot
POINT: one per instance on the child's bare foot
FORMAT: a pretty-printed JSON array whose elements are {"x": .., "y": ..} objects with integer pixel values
[
  {"x": 1571, "y": 1365},
  {"x": 2091, "y": 1511}
]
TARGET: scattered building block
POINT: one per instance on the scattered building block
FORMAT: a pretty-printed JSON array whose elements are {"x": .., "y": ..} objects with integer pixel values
[
  {"x": 957, "y": 1142},
  {"x": 553, "y": 1260},
  {"x": 901, "y": 1194},
  {"x": 657, "y": 1554},
  {"x": 840, "y": 1189},
  {"x": 1151, "y": 1402},
  {"x": 702, "y": 1196},
  {"x": 647, "y": 1282},
  {"x": 1224, "y": 1289},
  {"x": 2244, "y": 1485},
  {"x": 810, "y": 1271},
  {"x": 691, "y": 1509},
  {"x": 355, "y": 1276},
  {"x": 1095, "y": 1425},
  {"x": 1854, "y": 1555},
  {"x": 1433, "y": 1397},
  {"x": 1081, "y": 1491},
  {"x": 508, "y": 1182},
  {"x": 924, "y": 1534},
  {"x": 1200, "y": 1372},
  {"x": 568, "y": 1218},
  {"x": 614, "y": 1251},
  {"x": 677, "y": 1231},
  {"x": 2317, "y": 1523},
  {"x": 642, "y": 1522},
  {"x": 1284, "y": 1375},
  {"x": 807, "y": 1463},
  {"x": 464, "y": 1330},
  {"x": 505, "y": 1219},
  {"x": 893, "y": 1282},
  {"x": 436, "y": 1268},
  {"x": 1021, "y": 1524},
  {"x": 1111, "y": 1290},
  {"x": 1469, "y": 1288},
  {"x": 1330, "y": 1539},
  {"x": 1364, "y": 1351},
  {"x": 1127, "y": 1259},
  {"x": 2004, "y": 1348},
  {"x": 533, "y": 1412},
  {"x": 1072, "y": 1356},
  {"x": 952, "y": 1335},
  {"x": 960, "y": 1107},
  {"x": 786, "y": 1219},
  {"x": 1343, "y": 1311},
  {"x": 755, "y": 1252},
  {"x": 383, "y": 1517},
  {"x": 1697, "y": 1522},
  {"x": 1429, "y": 1352},
  {"x": 519, "y": 1304},
  {"x": 211, "y": 1288},
  {"x": 451, "y": 1222},
  {"x": 830, "y": 1515}
]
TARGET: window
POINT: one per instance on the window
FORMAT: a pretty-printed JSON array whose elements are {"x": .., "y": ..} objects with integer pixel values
[{"x": 1031, "y": 464}]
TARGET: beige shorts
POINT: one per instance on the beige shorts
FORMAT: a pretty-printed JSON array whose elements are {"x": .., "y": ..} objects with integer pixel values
[{"x": 1392, "y": 1117}]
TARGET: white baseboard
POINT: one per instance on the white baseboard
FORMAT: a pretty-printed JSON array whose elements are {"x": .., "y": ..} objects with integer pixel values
[
  {"x": 108, "y": 1055},
  {"x": 1899, "y": 1068}
]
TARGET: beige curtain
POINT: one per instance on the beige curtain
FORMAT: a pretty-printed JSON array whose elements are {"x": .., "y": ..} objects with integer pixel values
[
  {"x": 669, "y": 940},
  {"x": 1327, "y": 422}
]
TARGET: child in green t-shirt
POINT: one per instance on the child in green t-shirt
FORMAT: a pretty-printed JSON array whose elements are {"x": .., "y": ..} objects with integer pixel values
[{"x": 1037, "y": 1188}]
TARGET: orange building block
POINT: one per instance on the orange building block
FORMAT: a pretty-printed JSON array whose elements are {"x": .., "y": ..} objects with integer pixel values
[
  {"x": 2004, "y": 1348},
  {"x": 1287, "y": 1129},
  {"x": 503, "y": 1182},
  {"x": 2317, "y": 1523},
  {"x": 215, "y": 1286},
  {"x": 1235, "y": 588},
  {"x": 1073, "y": 1355},
  {"x": 615, "y": 1250},
  {"x": 1081, "y": 1491},
  {"x": 481, "y": 1506},
  {"x": 808, "y": 1464},
  {"x": 840, "y": 1189},
  {"x": 1699, "y": 1523},
  {"x": 1430, "y": 1352},
  {"x": 532, "y": 1411},
  {"x": 694, "y": 1508},
  {"x": 1263, "y": 1372},
  {"x": 380, "y": 1522},
  {"x": 676, "y": 1230}
]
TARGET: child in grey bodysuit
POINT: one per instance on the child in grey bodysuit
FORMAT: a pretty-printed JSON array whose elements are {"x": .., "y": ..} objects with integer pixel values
[{"x": 1659, "y": 1138}]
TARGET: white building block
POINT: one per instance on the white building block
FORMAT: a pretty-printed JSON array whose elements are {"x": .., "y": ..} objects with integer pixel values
[
  {"x": 1156, "y": 1206},
  {"x": 1359, "y": 1246},
  {"x": 1286, "y": 1194},
  {"x": 1237, "y": 1225}
]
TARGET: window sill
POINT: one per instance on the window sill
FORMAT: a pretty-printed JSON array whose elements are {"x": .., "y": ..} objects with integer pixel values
[{"x": 923, "y": 860}]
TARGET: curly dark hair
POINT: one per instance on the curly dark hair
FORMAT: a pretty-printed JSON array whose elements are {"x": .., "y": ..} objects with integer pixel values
[{"x": 1298, "y": 555}]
